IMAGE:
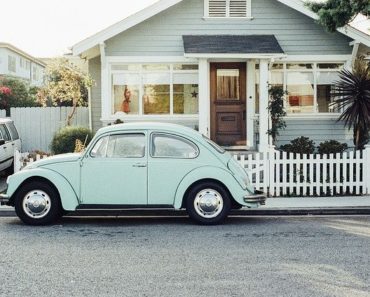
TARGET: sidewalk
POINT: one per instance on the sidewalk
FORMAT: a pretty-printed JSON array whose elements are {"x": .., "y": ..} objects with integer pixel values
[{"x": 274, "y": 206}]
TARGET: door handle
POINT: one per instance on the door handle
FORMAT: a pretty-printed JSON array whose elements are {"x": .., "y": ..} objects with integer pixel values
[{"x": 139, "y": 165}]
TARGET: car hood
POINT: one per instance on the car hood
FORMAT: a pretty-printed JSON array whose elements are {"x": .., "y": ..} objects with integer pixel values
[{"x": 55, "y": 159}]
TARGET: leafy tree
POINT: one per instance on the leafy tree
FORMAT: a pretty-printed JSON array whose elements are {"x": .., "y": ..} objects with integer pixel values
[
  {"x": 334, "y": 14},
  {"x": 16, "y": 93},
  {"x": 351, "y": 93},
  {"x": 277, "y": 111},
  {"x": 65, "y": 85}
]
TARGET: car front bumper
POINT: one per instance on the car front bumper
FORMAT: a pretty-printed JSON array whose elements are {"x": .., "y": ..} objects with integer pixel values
[
  {"x": 257, "y": 197},
  {"x": 4, "y": 199}
]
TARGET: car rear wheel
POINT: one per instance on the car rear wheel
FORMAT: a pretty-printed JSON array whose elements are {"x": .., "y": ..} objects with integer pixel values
[
  {"x": 37, "y": 203},
  {"x": 208, "y": 203}
]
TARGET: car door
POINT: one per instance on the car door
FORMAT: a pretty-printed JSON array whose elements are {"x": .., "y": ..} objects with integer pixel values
[
  {"x": 114, "y": 172},
  {"x": 16, "y": 142},
  {"x": 7, "y": 154},
  {"x": 171, "y": 158}
]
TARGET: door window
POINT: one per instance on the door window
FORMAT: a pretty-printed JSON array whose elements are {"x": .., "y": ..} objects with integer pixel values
[
  {"x": 126, "y": 146},
  {"x": 120, "y": 146},
  {"x": 171, "y": 146},
  {"x": 228, "y": 84}
]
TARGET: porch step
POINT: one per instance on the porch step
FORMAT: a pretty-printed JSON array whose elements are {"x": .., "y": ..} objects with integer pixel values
[{"x": 241, "y": 152}]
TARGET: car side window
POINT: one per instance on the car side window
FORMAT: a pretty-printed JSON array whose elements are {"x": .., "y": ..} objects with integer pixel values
[
  {"x": 126, "y": 146},
  {"x": 100, "y": 148},
  {"x": 4, "y": 132},
  {"x": 13, "y": 131},
  {"x": 172, "y": 146}
]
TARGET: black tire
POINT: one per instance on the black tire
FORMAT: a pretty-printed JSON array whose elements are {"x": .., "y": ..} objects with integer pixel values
[
  {"x": 218, "y": 210},
  {"x": 42, "y": 190}
]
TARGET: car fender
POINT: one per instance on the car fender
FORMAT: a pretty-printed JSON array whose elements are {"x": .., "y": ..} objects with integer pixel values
[
  {"x": 68, "y": 196},
  {"x": 209, "y": 172}
]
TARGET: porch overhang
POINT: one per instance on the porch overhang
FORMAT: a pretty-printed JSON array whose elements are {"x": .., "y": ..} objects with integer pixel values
[{"x": 232, "y": 47}]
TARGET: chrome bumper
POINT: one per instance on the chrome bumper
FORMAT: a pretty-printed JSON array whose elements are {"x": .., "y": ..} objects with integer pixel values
[
  {"x": 257, "y": 197},
  {"x": 4, "y": 199}
]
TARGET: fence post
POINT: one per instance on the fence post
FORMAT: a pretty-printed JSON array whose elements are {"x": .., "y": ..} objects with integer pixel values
[
  {"x": 271, "y": 170},
  {"x": 366, "y": 169},
  {"x": 17, "y": 161}
]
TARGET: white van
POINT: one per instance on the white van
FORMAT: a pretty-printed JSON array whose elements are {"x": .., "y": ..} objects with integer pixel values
[{"x": 9, "y": 142}]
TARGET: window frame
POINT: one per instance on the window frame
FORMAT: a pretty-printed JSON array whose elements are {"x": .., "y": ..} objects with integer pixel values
[
  {"x": 141, "y": 71},
  {"x": 175, "y": 136},
  {"x": 314, "y": 71},
  {"x": 106, "y": 149},
  {"x": 12, "y": 64},
  {"x": 227, "y": 16}
]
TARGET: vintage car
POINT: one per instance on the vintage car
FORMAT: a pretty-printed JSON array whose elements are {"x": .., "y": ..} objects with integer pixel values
[{"x": 135, "y": 165}]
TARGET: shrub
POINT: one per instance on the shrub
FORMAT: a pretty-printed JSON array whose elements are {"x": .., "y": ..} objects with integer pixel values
[
  {"x": 300, "y": 145},
  {"x": 332, "y": 147},
  {"x": 65, "y": 139}
]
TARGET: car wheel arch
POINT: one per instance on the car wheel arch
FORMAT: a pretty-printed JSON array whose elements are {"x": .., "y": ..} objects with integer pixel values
[
  {"x": 35, "y": 179},
  {"x": 67, "y": 194},
  {"x": 206, "y": 180}
]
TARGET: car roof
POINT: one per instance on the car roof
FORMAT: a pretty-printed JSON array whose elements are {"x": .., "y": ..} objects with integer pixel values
[{"x": 165, "y": 127}]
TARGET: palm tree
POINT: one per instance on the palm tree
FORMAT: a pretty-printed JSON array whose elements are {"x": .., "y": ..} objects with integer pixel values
[{"x": 351, "y": 94}]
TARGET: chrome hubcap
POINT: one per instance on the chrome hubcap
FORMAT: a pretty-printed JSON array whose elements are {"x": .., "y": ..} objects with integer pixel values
[
  {"x": 36, "y": 204},
  {"x": 208, "y": 203}
]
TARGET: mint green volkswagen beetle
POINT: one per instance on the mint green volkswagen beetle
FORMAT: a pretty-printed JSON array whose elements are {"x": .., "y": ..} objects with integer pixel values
[{"x": 135, "y": 165}]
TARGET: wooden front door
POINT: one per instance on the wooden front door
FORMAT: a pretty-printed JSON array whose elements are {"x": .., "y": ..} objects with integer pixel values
[{"x": 228, "y": 109}]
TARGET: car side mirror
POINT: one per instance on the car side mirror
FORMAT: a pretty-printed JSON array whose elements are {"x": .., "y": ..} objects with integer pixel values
[{"x": 2, "y": 141}]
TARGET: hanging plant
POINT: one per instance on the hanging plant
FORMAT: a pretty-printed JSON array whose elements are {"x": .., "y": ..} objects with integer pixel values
[{"x": 277, "y": 111}]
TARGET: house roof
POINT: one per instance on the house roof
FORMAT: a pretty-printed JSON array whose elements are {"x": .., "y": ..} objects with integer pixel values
[
  {"x": 127, "y": 23},
  {"x": 232, "y": 44},
  {"x": 22, "y": 53}
]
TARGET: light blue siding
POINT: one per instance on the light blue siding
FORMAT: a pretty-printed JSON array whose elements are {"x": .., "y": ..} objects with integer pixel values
[
  {"x": 161, "y": 35},
  {"x": 94, "y": 70},
  {"x": 318, "y": 130}
]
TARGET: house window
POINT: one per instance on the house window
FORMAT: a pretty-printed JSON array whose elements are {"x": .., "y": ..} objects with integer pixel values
[
  {"x": 308, "y": 85},
  {"x": 35, "y": 73},
  {"x": 155, "y": 89},
  {"x": 12, "y": 64},
  {"x": 227, "y": 8}
]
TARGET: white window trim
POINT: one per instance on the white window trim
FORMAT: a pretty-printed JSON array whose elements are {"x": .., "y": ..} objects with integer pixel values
[
  {"x": 108, "y": 115},
  {"x": 314, "y": 71},
  {"x": 227, "y": 17}
]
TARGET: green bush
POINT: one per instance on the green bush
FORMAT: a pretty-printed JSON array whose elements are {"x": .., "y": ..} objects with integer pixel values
[
  {"x": 65, "y": 139},
  {"x": 332, "y": 147},
  {"x": 300, "y": 145}
]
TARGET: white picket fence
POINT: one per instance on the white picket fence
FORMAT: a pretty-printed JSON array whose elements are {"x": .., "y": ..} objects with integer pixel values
[
  {"x": 281, "y": 174},
  {"x": 37, "y": 125}
]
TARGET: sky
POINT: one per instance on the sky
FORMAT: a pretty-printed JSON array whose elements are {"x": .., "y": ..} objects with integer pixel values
[{"x": 47, "y": 28}]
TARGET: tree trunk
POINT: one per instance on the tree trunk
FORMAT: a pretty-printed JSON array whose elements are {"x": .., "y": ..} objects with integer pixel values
[{"x": 70, "y": 116}]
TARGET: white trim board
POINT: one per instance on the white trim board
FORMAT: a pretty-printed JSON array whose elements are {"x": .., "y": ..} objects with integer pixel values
[{"x": 162, "y": 5}]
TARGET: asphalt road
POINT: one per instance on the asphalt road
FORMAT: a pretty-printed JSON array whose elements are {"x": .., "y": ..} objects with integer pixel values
[{"x": 258, "y": 256}]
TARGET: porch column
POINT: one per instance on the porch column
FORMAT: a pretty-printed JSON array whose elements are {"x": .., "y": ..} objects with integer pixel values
[
  {"x": 204, "y": 97},
  {"x": 263, "y": 104},
  {"x": 251, "y": 93},
  {"x": 105, "y": 101}
]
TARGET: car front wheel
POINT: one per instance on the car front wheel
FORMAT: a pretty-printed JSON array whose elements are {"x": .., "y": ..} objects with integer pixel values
[
  {"x": 37, "y": 203},
  {"x": 208, "y": 203}
]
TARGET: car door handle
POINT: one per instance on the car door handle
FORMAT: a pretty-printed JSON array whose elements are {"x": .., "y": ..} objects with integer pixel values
[{"x": 139, "y": 165}]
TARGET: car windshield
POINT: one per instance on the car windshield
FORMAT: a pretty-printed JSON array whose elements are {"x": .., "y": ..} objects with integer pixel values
[{"x": 214, "y": 145}]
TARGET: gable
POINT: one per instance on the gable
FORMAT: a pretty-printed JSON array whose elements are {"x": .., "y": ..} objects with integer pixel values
[{"x": 162, "y": 34}]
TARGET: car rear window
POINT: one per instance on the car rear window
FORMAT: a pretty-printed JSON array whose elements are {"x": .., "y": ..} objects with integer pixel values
[
  {"x": 13, "y": 131},
  {"x": 4, "y": 132}
]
